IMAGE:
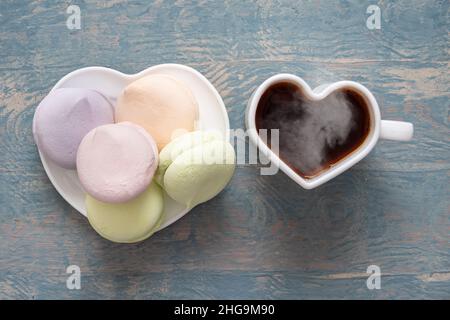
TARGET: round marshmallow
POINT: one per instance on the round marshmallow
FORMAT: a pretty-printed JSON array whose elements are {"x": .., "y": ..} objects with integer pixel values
[
  {"x": 161, "y": 104},
  {"x": 64, "y": 117},
  {"x": 116, "y": 162},
  {"x": 127, "y": 222},
  {"x": 195, "y": 167}
]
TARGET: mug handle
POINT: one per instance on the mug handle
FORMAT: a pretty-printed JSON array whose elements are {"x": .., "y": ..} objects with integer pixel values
[{"x": 396, "y": 130}]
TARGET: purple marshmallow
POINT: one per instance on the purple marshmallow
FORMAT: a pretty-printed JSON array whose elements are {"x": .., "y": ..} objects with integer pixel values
[{"x": 64, "y": 117}]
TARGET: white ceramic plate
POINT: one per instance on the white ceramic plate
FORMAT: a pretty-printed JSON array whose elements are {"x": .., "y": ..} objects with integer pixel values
[{"x": 212, "y": 116}]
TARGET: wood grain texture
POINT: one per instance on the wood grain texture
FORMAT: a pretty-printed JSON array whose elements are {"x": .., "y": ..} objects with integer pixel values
[{"x": 262, "y": 237}]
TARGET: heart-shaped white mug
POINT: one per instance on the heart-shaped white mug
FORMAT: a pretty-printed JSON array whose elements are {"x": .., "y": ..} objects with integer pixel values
[
  {"x": 385, "y": 129},
  {"x": 212, "y": 116}
]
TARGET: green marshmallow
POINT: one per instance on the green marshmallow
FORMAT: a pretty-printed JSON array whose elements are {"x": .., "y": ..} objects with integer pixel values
[
  {"x": 197, "y": 168},
  {"x": 179, "y": 145},
  {"x": 130, "y": 221}
]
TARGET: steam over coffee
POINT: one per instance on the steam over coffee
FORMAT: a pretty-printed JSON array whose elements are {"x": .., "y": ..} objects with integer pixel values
[{"x": 313, "y": 135}]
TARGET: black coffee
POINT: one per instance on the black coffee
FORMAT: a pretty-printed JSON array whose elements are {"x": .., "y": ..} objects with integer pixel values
[{"x": 313, "y": 135}]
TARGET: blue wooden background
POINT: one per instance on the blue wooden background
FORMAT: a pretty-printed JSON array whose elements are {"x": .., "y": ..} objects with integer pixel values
[{"x": 263, "y": 237}]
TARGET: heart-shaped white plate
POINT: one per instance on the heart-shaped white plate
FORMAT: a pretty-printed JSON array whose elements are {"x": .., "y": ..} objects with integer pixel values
[{"x": 212, "y": 116}]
